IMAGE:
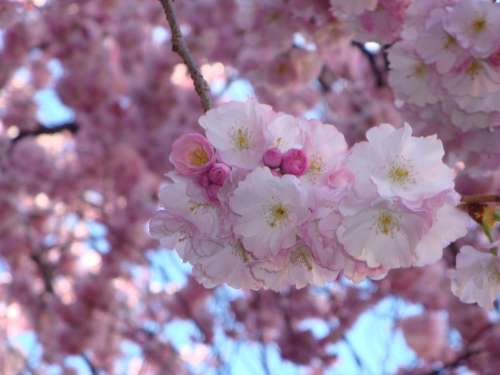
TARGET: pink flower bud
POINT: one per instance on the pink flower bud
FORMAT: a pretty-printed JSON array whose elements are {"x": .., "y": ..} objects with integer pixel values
[
  {"x": 294, "y": 162},
  {"x": 272, "y": 158},
  {"x": 192, "y": 154},
  {"x": 218, "y": 173}
]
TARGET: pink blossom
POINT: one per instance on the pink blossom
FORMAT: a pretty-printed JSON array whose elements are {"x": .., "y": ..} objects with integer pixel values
[
  {"x": 475, "y": 25},
  {"x": 383, "y": 235},
  {"x": 269, "y": 209},
  {"x": 237, "y": 131},
  {"x": 477, "y": 277},
  {"x": 192, "y": 154},
  {"x": 394, "y": 164}
]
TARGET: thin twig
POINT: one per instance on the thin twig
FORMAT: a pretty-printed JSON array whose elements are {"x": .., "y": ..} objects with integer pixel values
[
  {"x": 44, "y": 129},
  {"x": 179, "y": 47}
]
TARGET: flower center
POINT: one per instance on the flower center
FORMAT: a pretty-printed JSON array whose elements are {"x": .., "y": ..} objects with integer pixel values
[
  {"x": 316, "y": 165},
  {"x": 478, "y": 25},
  {"x": 474, "y": 68},
  {"x": 387, "y": 223},
  {"x": 241, "y": 139},
  {"x": 277, "y": 215},
  {"x": 419, "y": 70},
  {"x": 198, "y": 157},
  {"x": 239, "y": 250},
  {"x": 301, "y": 256},
  {"x": 400, "y": 174},
  {"x": 449, "y": 42},
  {"x": 196, "y": 206}
]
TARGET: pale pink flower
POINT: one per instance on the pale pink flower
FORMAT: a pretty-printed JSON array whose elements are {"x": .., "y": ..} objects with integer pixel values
[
  {"x": 383, "y": 235},
  {"x": 449, "y": 225},
  {"x": 474, "y": 23},
  {"x": 435, "y": 45},
  {"x": 237, "y": 131},
  {"x": 293, "y": 267},
  {"x": 394, "y": 164},
  {"x": 227, "y": 263},
  {"x": 472, "y": 77},
  {"x": 192, "y": 154},
  {"x": 184, "y": 198},
  {"x": 284, "y": 132},
  {"x": 325, "y": 148},
  {"x": 173, "y": 232},
  {"x": 476, "y": 278},
  {"x": 269, "y": 208},
  {"x": 414, "y": 80}
]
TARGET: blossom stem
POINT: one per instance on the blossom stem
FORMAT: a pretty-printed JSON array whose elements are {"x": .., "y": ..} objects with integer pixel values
[{"x": 179, "y": 47}]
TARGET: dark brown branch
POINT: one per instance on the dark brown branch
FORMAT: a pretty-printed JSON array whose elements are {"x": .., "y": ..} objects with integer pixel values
[
  {"x": 372, "y": 60},
  {"x": 49, "y": 288},
  {"x": 179, "y": 47},
  {"x": 72, "y": 127},
  {"x": 474, "y": 199}
]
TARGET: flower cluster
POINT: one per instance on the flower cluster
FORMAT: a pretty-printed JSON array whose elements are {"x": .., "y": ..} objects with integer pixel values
[
  {"x": 372, "y": 20},
  {"x": 268, "y": 200},
  {"x": 448, "y": 62}
]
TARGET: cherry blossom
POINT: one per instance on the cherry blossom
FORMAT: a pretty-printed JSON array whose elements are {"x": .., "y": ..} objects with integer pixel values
[{"x": 477, "y": 277}]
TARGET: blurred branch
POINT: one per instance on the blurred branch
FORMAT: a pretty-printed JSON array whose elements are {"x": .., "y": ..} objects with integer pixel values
[
  {"x": 472, "y": 199},
  {"x": 466, "y": 354},
  {"x": 179, "y": 47},
  {"x": 72, "y": 127},
  {"x": 359, "y": 362},
  {"x": 372, "y": 60},
  {"x": 47, "y": 281}
]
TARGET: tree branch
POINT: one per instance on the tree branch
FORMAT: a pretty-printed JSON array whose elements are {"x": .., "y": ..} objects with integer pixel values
[
  {"x": 179, "y": 47},
  {"x": 43, "y": 129},
  {"x": 372, "y": 60},
  {"x": 474, "y": 199}
]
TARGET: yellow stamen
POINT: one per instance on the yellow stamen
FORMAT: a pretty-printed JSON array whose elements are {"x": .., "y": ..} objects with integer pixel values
[
  {"x": 198, "y": 157},
  {"x": 241, "y": 252},
  {"x": 474, "y": 68},
  {"x": 387, "y": 223},
  {"x": 277, "y": 215},
  {"x": 479, "y": 24},
  {"x": 420, "y": 70},
  {"x": 399, "y": 175},
  {"x": 241, "y": 139},
  {"x": 449, "y": 42},
  {"x": 316, "y": 165},
  {"x": 300, "y": 256}
]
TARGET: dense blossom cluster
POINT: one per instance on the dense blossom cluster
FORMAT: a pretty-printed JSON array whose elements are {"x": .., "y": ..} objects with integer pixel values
[
  {"x": 447, "y": 63},
  {"x": 269, "y": 200}
]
